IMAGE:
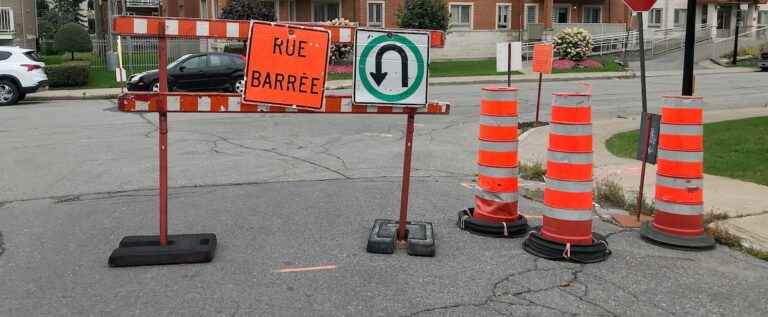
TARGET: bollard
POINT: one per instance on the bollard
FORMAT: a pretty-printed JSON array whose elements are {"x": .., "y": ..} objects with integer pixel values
[
  {"x": 678, "y": 221},
  {"x": 496, "y": 211},
  {"x": 566, "y": 232}
]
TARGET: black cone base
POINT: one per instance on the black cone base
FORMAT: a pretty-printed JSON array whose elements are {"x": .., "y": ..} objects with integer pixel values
[
  {"x": 420, "y": 237},
  {"x": 181, "y": 248},
  {"x": 663, "y": 239},
  {"x": 514, "y": 229},
  {"x": 596, "y": 252}
]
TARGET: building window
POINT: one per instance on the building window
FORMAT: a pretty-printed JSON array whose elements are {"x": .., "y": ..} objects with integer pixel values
[
  {"x": 323, "y": 11},
  {"x": 654, "y": 17},
  {"x": 461, "y": 16},
  {"x": 704, "y": 14},
  {"x": 376, "y": 14},
  {"x": 592, "y": 14},
  {"x": 291, "y": 10},
  {"x": 502, "y": 15},
  {"x": 203, "y": 9},
  {"x": 762, "y": 17},
  {"x": 531, "y": 13},
  {"x": 680, "y": 15},
  {"x": 561, "y": 14}
]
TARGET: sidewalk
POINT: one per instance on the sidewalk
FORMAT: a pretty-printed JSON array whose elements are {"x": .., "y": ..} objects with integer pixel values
[
  {"x": 744, "y": 202},
  {"x": 112, "y": 93}
]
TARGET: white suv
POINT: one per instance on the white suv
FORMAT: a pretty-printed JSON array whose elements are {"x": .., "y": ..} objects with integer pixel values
[{"x": 21, "y": 73}]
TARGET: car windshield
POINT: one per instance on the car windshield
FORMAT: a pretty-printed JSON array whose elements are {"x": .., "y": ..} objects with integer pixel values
[{"x": 174, "y": 63}]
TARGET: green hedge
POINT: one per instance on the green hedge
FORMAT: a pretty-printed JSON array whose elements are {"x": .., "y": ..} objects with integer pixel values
[{"x": 68, "y": 74}]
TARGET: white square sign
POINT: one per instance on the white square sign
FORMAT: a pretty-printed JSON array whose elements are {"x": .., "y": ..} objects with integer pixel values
[
  {"x": 503, "y": 53},
  {"x": 391, "y": 67}
]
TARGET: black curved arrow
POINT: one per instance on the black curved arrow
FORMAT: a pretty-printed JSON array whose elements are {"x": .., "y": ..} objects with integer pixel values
[{"x": 379, "y": 76}]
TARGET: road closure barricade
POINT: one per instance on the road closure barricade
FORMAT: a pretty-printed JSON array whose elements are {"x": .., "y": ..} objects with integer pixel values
[{"x": 194, "y": 248}]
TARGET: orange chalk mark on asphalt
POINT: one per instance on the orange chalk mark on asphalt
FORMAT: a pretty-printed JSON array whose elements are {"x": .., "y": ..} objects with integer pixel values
[{"x": 307, "y": 269}]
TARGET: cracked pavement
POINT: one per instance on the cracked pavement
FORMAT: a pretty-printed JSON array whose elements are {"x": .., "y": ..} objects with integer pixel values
[{"x": 286, "y": 191}]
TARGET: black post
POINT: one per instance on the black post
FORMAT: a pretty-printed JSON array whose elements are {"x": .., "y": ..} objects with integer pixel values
[
  {"x": 736, "y": 37},
  {"x": 642, "y": 62},
  {"x": 509, "y": 64},
  {"x": 690, "y": 41}
]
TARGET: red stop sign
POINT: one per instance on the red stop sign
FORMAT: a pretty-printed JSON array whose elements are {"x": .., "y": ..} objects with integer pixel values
[{"x": 640, "y": 5}]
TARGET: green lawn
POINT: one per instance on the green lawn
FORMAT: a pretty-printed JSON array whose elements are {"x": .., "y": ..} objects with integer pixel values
[{"x": 736, "y": 149}]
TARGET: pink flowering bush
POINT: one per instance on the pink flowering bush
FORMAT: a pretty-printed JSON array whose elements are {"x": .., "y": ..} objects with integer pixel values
[
  {"x": 340, "y": 69},
  {"x": 590, "y": 63},
  {"x": 563, "y": 64}
]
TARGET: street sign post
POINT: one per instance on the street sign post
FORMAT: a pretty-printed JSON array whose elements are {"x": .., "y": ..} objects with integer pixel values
[
  {"x": 391, "y": 67},
  {"x": 286, "y": 65}
]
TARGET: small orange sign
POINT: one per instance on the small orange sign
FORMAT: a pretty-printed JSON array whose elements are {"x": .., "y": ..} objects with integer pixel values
[
  {"x": 542, "y": 58},
  {"x": 286, "y": 65}
]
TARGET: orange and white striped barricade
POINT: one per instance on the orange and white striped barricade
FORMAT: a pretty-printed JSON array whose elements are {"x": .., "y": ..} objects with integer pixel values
[
  {"x": 495, "y": 213},
  {"x": 566, "y": 231},
  {"x": 195, "y": 248},
  {"x": 679, "y": 221}
]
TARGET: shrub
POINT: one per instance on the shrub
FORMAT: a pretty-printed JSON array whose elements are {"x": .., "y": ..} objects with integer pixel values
[
  {"x": 533, "y": 171},
  {"x": 73, "y": 37},
  {"x": 590, "y": 63},
  {"x": 247, "y": 10},
  {"x": 423, "y": 14},
  {"x": 573, "y": 43},
  {"x": 563, "y": 64},
  {"x": 69, "y": 74}
]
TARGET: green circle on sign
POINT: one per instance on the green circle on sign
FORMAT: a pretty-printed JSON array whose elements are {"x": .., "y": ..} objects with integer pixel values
[{"x": 361, "y": 67}]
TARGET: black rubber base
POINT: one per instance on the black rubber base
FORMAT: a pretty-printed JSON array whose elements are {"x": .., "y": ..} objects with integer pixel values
[
  {"x": 662, "y": 239},
  {"x": 514, "y": 229},
  {"x": 596, "y": 252},
  {"x": 181, "y": 248},
  {"x": 420, "y": 237}
]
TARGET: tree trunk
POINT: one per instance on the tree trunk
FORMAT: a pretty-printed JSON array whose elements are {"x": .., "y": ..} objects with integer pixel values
[{"x": 73, "y": 55}]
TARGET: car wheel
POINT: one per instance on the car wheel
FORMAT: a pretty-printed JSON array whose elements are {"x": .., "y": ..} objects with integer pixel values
[
  {"x": 9, "y": 92},
  {"x": 238, "y": 86}
]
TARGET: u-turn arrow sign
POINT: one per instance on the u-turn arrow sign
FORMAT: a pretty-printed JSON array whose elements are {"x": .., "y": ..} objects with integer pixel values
[{"x": 391, "y": 67}]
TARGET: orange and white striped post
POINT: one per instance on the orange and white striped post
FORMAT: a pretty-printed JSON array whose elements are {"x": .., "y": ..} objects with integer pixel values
[
  {"x": 566, "y": 232},
  {"x": 679, "y": 220},
  {"x": 495, "y": 212}
]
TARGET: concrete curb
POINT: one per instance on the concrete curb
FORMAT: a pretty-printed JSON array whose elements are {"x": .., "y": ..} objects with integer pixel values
[{"x": 71, "y": 97}]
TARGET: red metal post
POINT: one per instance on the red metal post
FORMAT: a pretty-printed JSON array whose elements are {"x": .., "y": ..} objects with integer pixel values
[
  {"x": 647, "y": 133},
  {"x": 162, "y": 48},
  {"x": 401, "y": 235}
]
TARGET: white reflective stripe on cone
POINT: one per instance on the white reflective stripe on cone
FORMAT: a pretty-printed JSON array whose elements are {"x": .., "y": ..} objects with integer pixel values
[
  {"x": 568, "y": 186},
  {"x": 500, "y": 95},
  {"x": 571, "y": 101},
  {"x": 682, "y": 129},
  {"x": 570, "y": 158},
  {"x": 499, "y": 172},
  {"x": 571, "y": 129},
  {"x": 679, "y": 209},
  {"x": 681, "y": 156},
  {"x": 682, "y": 183},
  {"x": 498, "y": 146},
  {"x": 498, "y": 121},
  {"x": 682, "y": 102},
  {"x": 568, "y": 214},
  {"x": 495, "y": 196}
]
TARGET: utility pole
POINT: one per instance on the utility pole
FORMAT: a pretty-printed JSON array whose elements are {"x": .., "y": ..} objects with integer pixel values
[
  {"x": 690, "y": 41},
  {"x": 736, "y": 37}
]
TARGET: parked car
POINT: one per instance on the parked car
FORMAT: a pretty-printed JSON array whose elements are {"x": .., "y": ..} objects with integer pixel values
[
  {"x": 21, "y": 73},
  {"x": 763, "y": 62},
  {"x": 196, "y": 72}
]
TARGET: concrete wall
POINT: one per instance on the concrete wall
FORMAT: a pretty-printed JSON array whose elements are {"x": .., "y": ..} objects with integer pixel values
[{"x": 471, "y": 44}]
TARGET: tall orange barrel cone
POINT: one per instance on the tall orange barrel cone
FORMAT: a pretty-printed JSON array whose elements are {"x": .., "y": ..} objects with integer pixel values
[
  {"x": 566, "y": 232},
  {"x": 495, "y": 212},
  {"x": 678, "y": 221}
]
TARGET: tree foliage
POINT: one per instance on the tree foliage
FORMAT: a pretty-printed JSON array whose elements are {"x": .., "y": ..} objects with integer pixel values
[
  {"x": 423, "y": 14},
  {"x": 73, "y": 37},
  {"x": 69, "y": 11},
  {"x": 245, "y": 10}
]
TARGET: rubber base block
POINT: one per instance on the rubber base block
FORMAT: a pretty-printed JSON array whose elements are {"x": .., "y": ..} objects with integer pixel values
[
  {"x": 419, "y": 236},
  {"x": 596, "y": 252},
  {"x": 663, "y": 239},
  {"x": 515, "y": 229},
  {"x": 181, "y": 248}
]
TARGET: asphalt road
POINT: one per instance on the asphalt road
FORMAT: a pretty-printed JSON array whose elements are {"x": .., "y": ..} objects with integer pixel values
[{"x": 288, "y": 191}]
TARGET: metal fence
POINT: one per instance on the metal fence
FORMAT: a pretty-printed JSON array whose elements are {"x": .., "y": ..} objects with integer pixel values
[{"x": 754, "y": 38}]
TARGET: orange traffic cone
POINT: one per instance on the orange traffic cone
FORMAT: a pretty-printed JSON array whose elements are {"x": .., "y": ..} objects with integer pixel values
[
  {"x": 495, "y": 213},
  {"x": 566, "y": 232},
  {"x": 678, "y": 221}
]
